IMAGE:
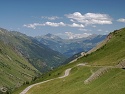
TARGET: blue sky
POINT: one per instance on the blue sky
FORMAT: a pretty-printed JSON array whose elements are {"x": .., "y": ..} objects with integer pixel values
[{"x": 65, "y": 18}]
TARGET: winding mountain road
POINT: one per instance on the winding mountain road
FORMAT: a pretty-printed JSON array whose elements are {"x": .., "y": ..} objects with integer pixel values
[
  {"x": 94, "y": 75},
  {"x": 67, "y": 71}
]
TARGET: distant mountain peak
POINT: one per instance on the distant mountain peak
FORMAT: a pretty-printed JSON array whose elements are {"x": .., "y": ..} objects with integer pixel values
[{"x": 49, "y": 36}]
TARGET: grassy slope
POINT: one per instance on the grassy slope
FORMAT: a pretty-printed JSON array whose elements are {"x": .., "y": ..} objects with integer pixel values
[
  {"x": 14, "y": 69},
  {"x": 112, "y": 82},
  {"x": 111, "y": 53},
  {"x": 39, "y": 55}
]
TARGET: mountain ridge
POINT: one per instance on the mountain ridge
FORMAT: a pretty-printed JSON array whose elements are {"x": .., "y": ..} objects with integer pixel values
[
  {"x": 23, "y": 59},
  {"x": 32, "y": 50},
  {"x": 70, "y": 47},
  {"x": 103, "y": 74},
  {"x": 15, "y": 70}
]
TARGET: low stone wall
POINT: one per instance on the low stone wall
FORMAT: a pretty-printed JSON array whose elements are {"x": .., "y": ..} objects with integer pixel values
[{"x": 97, "y": 74}]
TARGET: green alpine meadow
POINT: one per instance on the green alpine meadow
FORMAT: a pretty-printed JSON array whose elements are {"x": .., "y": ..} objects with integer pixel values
[
  {"x": 62, "y": 47},
  {"x": 99, "y": 72}
]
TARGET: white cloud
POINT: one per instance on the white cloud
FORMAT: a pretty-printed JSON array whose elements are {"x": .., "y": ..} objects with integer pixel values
[
  {"x": 51, "y": 18},
  {"x": 90, "y": 18},
  {"x": 29, "y": 26},
  {"x": 77, "y": 25},
  {"x": 72, "y": 20},
  {"x": 52, "y": 24},
  {"x": 76, "y": 36},
  {"x": 33, "y": 26},
  {"x": 55, "y": 24},
  {"x": 121, "y": 20}
]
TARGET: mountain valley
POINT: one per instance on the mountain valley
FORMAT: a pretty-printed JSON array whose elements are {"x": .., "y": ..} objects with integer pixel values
[
  {"x": 70, "y": 47},
  {"x": 100, "y": 71},
  {"x": 25, "y": 61}
]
